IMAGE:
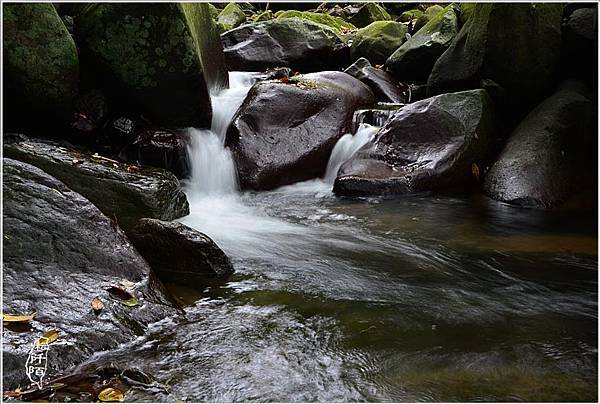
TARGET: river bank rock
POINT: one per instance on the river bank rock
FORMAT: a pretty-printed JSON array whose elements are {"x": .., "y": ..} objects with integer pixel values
[
  {"x": 297, "y": 43},
  {"x": 320, "y": 18},
  {"x": 285, "y": 131},
  {"x": 160, "y": 58},
  {"x": 435, "y": 144},
  {"x": 414, "y": 60},
  {"x": 41, "y": 68},
  {"x": 60, "y": 252},
  {"x": 378, "y": 40},
  {"x": 123, "y": 192},
  {"x": 545, "y": 159},
  {"x": 528, "y": 35},
  {"x": 368, "y": 13},
  {"x": 179, "y": 254},
  {"x": 382, "y": 84}
]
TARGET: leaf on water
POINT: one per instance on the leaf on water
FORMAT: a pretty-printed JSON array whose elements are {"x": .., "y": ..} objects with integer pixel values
[
  {"x": 6, "y": 318},
  {"x": 475, "y": 170},
  {"x": 119, "y": 293},
  {"x": 97, "y": 305},
  {"x": 131, "y": 302},
  {"x": 48, "y": 338},
  {"x": 127, "y": 284},
  {"x": 110, "y": 395}
]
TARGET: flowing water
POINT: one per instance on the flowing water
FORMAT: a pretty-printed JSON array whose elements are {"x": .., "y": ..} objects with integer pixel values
[{"x": 418, "y": 298}]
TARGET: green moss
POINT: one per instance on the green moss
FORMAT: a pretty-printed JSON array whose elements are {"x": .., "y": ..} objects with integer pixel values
[
  {"x": 410, "y": 15},
  {"x": 232, "y": 16},
  {"x": 368, "y": 13},
  {"x": 320, "y": 18},
  {"x": 214, "y": 12},
  {"x": 264, "y": 16},
  {"x": 378, "y": 40},
  {"x": 466, "y": 11}
]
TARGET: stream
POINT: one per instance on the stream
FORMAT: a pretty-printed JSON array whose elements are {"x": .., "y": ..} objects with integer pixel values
[{"x": 416, "y": 298}]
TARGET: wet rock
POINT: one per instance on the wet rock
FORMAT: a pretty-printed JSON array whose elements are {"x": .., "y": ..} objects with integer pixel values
[
  {"x": 122, "y": 132},
  {"x": 325, "y": 19},
  {"x": 60, "y": 252},
  {"x": 91, "y": 111},
  {"x": 545, "y": 159},
  {"x": 231, "y": 16},
  {"x": 121, "y": 191},
  {"x": 161, "y": 148},
  {"x": 369, "y": 13},
  {"x": 158, "y": 59},
  {"x": 414, "y": 60},
  {"x": 180, "y": 254},
  {"x": 41, "y": 68},
  {"x": 484, "y": 45},
  {"x": 374, "y": 117},
  {"x": 434, "y": 144},
  {"x": 378, "y": 40},
  {"x": 290, "y": 42},
  {"x": 284, "y": 132},
  {"x": 381, "y": 83},
  {"x": 579, "y": 57}
]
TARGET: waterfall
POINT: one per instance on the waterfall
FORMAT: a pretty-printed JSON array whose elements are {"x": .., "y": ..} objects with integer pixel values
[
  {"x": 346, "y": 147},
  {"x": 211, "y": 164}
]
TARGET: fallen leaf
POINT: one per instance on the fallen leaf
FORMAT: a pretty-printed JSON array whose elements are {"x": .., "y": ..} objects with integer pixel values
[
  {"x": 127, "y": 284},
  {"x": 110, "y": 395},
  {"x": 16, "y": 319},
  {"x": 131, "y": 302},
  {"x": 475, "y": 170},
  {"x": 120, "y": 293},
  {"x": 97, "y": 305},
  {"x": 48, "y": 337}
]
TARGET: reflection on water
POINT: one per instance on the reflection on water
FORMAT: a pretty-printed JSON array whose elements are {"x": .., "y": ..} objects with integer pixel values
[{"x": 410, "y": 299}]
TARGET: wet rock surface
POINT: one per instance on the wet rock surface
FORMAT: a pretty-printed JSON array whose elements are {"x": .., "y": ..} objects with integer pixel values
[
  {"x": 433, "y": 144},
  {"x": 180, "y": 254},
  {"x": 297, "y": 43},
  {"x": 60, "y": 252},
  {"x": 383, "y": 85},
  {"x": 285, "y": 131},
  {"x": 544, "y": 161},
  {"x": 123, "y": 192}
]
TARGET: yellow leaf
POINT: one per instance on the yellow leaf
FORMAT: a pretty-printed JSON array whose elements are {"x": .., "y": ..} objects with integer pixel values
[
  {"x": 97, "y": 304},
  {"x": 131, "y": 302},
  {"x": 48, "y": 338},
  {"x": 17, "y": 319},
  {"x": 110, "y": 395}
]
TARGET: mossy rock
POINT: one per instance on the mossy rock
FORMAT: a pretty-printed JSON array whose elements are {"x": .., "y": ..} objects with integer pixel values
[
  {"x": 232, "y": 16},
  {"x": 410, "y": 15},
  {"x": 150, "y": 56},
  {"x": 466, "y": 12},
  {"x": 41, "y": 67},
  {"x": 368, "y": 13},
  {"x": 214, "y": 12},
  {"x": 320, "y": 18},
  {"x": 378, "y": 40},
  {"x": 415, "y": 58},
  {"x": 429, "y": 14},
  {"x": 522, "y": 60},
  {"x": 263, "y": 16}
]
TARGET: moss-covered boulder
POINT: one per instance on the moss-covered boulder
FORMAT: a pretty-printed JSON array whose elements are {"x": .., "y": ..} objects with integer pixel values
[
  {"x": 378, "y": 40},
  {"x": 320, "y": 18},
  {"x": 297, "y": 43},
  {"x": 410, "y": 15},
  {"x": 517, "y": 46},
  {"x": 263, "y": 16},
  {"x": 231, "y": 16},
  {"x": 214, "y": 12},
  {"x": 466, "y": 12},
  {"x": 158, "y": 59},
  {"x": 368, "y": 13},
  {"x": 414, "y": 60},
  {"x": 41, "y": 67},
  {"x": 429, "y": 14}
]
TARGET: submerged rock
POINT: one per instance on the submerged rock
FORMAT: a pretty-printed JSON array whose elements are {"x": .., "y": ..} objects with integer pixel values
[
  {"x": 159, "y": 57},
  {"x": 180, "y": 254},
  {"x": 547, "y": 157},
  {"x": 285, "y": 131},
  {"x": 434, "y": 144},
  {"x": 414, "y": 60},
  {"x": 60, "y": 252},
  {"x": 124, "y": 192},
  {"x": 297, "y": 43},
  {"x": 378, "y": 40},
  {"x": 41, "y": 67},
  {"x": 383, "y": 85},
  {"x": 515, "y": 45}
]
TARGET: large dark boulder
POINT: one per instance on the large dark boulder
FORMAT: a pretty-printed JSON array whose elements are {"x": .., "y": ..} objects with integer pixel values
[
  {"x": 435, "y": 144},
  {"x": 160, "y": 59},
  {"x": 383, "y": 85},
  {"x": 368, "y": 13},
  {"x": 298, "y": 43},
  {"x": 285, "y": 131},
  {"x": 550, "y": 154},
  {"x": 517, "y": 46},
  {"x": 579, "y": 56},
  {"x": 41, "y": 67},
  {"x": 414, "y": 60},
  {"x": 180, "y": 254},
  {"x": 123, "y": 192},
  {"x": 60, "y": 252}
]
